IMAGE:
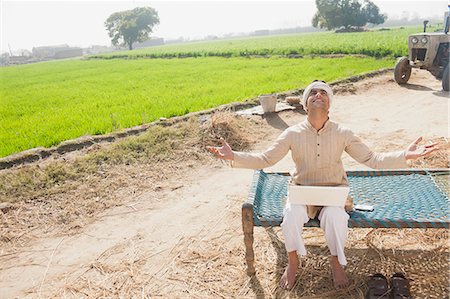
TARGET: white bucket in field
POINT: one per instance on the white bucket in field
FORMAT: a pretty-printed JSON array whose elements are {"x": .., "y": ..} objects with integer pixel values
[{"x": 268, "y": 102}]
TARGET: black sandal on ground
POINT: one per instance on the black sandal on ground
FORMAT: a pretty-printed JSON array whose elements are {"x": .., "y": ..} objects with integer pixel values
[
  {"x": 400, "y": 286},
  {"x": 378, "y": 287}
]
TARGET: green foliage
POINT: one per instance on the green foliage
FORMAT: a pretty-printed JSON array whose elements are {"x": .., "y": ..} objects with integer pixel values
[
  {"x": 392, "y": 43},
  {"x": 157, "y": 144},
  {"x": 337, "y": 13},
  {"x": 130, "y": 26},
  {"x": 44, "y": 104}
]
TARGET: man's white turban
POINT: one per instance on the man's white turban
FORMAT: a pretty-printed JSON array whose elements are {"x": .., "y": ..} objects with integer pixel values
[{"x": 316, "y": 85}]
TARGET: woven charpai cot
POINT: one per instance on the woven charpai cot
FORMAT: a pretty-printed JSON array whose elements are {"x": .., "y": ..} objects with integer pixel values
[{"x": 401, "y": 198}]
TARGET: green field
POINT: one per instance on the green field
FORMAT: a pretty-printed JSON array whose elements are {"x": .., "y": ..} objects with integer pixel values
[
  {"x": 44, "y": 104},
  {"x": 384, "y": 43}
]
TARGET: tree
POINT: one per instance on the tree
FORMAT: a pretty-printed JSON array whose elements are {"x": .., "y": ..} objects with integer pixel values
[
  {"x": 130, "y": 26},
  {"x": 337, "y": 13}
]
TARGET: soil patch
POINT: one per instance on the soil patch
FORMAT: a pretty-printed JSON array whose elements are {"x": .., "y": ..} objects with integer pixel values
[{"x": 156, "y": 215}]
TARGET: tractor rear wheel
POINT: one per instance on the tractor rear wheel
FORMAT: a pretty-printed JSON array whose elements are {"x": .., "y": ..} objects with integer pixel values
[
  {"x": 445, "y": 79},
  {"x": 402, "y": 70}
]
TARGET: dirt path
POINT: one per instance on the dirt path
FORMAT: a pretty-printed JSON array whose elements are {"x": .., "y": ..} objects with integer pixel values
[{"x": 181, "y": 242}]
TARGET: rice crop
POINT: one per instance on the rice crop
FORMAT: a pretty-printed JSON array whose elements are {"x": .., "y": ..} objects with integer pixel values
[
  {"x": 380, "y": 43},
  {"x": 44, "y": 104}
]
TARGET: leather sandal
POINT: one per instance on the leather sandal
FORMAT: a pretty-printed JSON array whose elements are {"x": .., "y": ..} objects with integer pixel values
[
  {"x": 400, "y": 286},
  {"x": 378, "y": 287}
]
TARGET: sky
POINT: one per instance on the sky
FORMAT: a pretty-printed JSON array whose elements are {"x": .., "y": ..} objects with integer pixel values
[{"x": 28, "y": 24}]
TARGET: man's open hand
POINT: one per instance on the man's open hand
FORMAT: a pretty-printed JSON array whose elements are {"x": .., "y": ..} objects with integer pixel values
[
  {"x": 415, "y": 150},
  {"x": 224, "y": 152}
]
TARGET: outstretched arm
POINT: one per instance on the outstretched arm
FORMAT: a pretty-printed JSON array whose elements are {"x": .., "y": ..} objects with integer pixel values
[
  {"x": 414, "y": 150},
  {"x": 224, "y": 152},
  {"x": 386, "y": 160},
  {"x": 267, "y": 158}
]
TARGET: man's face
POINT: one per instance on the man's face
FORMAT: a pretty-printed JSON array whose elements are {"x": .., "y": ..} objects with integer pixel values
[{"x": 318, "y": 99}]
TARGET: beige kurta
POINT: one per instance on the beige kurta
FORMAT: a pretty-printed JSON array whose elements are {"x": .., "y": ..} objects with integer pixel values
[{"x": 317, "y": 155}]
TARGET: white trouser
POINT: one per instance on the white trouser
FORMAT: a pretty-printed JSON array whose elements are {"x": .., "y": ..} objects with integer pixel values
[{"x": 333, "y": 221}]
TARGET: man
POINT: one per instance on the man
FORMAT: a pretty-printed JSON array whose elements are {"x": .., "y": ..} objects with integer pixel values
[{"x": 316, "y": 146}]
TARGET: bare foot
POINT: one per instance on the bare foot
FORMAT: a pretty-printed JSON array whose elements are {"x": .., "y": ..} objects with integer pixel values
[
  {"x": 287, "y": 280},
  {"x": 340, "y": 279}
]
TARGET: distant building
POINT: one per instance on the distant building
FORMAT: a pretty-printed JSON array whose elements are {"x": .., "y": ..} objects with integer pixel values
[
  {"x": 18, "y": 59},
  {"x": 56, "y": 52},
  {"x": 67, "y": 53}
]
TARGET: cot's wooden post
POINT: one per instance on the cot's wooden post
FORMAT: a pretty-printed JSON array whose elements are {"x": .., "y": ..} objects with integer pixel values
[{"x": 247, "y": 227}]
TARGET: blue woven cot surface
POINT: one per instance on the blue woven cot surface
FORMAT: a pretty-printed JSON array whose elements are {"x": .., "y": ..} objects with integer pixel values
[{"x": 401, "y": 198}]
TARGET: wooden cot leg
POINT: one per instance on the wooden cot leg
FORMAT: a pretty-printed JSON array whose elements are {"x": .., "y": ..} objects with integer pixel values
[{"x": 247, "y": 227}]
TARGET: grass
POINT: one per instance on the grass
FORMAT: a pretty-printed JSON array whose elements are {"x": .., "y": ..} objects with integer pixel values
[
  {"x": 158, "y": 147},
  {"x": 46, "y": 103},
  {"x": 65, "y": 197},
  {"x": 386, "y": 43}
]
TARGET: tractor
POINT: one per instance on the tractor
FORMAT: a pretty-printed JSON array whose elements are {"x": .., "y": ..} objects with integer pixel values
[{"x": 428, "y": 51}]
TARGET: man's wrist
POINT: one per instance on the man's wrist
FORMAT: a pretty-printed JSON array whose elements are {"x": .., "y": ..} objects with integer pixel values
[
  {"x": 408, "y": 156},
  {"x": 405, "y": 154}
]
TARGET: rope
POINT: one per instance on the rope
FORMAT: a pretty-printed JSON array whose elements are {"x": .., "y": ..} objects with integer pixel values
[{"x": 401, "y": 198}]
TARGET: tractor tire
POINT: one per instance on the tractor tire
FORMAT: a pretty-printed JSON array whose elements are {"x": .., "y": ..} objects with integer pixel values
[
  {"x": 402, "y": 70},
  {"x": 445, "y": 79}
]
